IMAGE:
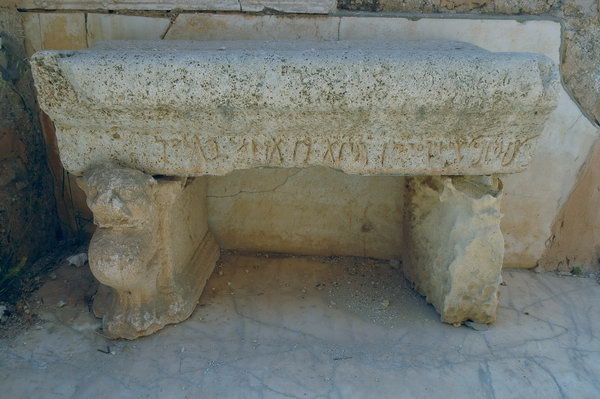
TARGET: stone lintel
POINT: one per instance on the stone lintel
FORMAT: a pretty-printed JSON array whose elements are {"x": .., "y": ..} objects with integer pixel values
[
  {"x": 366, "y": 107},
  {"x": 286, "y": 6}
]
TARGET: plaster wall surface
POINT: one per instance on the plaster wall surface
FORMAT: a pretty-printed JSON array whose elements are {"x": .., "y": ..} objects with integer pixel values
[
  {"x": 301, "y": 200},
  {"x": 319, "y": 210}
]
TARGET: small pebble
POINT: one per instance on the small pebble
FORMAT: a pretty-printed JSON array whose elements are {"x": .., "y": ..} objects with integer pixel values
[
  {"x": 60, "y": 304},
  {"x": 77, "y": 260},
  {"x": 476, "y": 326}
]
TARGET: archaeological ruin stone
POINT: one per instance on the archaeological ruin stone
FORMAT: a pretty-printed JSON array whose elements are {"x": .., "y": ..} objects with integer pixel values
[
  {"x": 143, "y": 121},
  {"x": 152, "y": 247}
]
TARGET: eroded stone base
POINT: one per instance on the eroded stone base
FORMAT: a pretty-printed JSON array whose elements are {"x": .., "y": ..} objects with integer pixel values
[
  {"x": 454, "y": 245},
  {"x": 152, "y": 250},
  {"x": 127, "y": 315}
]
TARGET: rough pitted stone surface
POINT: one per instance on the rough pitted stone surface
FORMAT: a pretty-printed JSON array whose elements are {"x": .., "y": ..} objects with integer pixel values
[
  {"x": 511, "y": 7},
  {"x": 152, "y": 250},
  {"x": 455, "y": 246},
  {"x": 366, "y": 107},
  {"x": 581, "y": 65},
  {"x": 580, "y": 19},
  {"x": 480, "y": 6}
]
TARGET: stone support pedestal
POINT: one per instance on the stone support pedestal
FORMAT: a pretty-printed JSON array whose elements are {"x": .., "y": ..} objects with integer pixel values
[
  {"x": 454, "y": 245},
  {"x": 152, "y": 250}
]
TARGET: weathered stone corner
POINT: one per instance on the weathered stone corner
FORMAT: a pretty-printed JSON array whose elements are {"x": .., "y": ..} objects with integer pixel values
[
  {"x": 454, "y": 245},
  {"x": 152, "y": 250}
]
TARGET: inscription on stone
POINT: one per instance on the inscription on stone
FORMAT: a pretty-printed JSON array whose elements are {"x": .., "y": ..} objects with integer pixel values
[{"x": 356, "y": 154}]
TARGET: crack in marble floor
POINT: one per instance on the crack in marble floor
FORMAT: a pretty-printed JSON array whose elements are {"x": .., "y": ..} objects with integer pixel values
[{"x": 310, "y": 327}]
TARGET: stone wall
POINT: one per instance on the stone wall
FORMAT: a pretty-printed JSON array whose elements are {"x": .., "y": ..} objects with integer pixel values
[
  {"x": 575, "y": 241},
  {"x": 325, "y": 212},
  {"x": 28, "y": 222}
]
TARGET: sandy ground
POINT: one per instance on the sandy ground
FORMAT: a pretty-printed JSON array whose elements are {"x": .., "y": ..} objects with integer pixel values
[{"x": 311, "y": 327}]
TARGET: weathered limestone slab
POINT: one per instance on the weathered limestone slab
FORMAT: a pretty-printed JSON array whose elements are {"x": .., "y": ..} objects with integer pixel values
[
  {"x": 287, "y": 6},
  {"x": 363, "y": 107},
  {"x": 454, "y": 245},
  {"x": 152, "y": 249},
  {"x": 212, "y": 5}
]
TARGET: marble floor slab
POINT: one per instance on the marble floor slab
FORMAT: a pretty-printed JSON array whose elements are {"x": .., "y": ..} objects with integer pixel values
[{"x": 272, "y": 326}]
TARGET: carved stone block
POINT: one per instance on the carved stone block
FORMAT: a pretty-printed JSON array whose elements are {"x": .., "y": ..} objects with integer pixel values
[
  {"x": 152, "y": 249},
  {"x": 454, "y": 245},
  {"x": 184, "y": 108}
]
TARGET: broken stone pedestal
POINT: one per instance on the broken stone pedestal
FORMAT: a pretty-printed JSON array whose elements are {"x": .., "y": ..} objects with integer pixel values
[
  {"x": 142, "y": 122},
  {"x": 454, "y": 245}
]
